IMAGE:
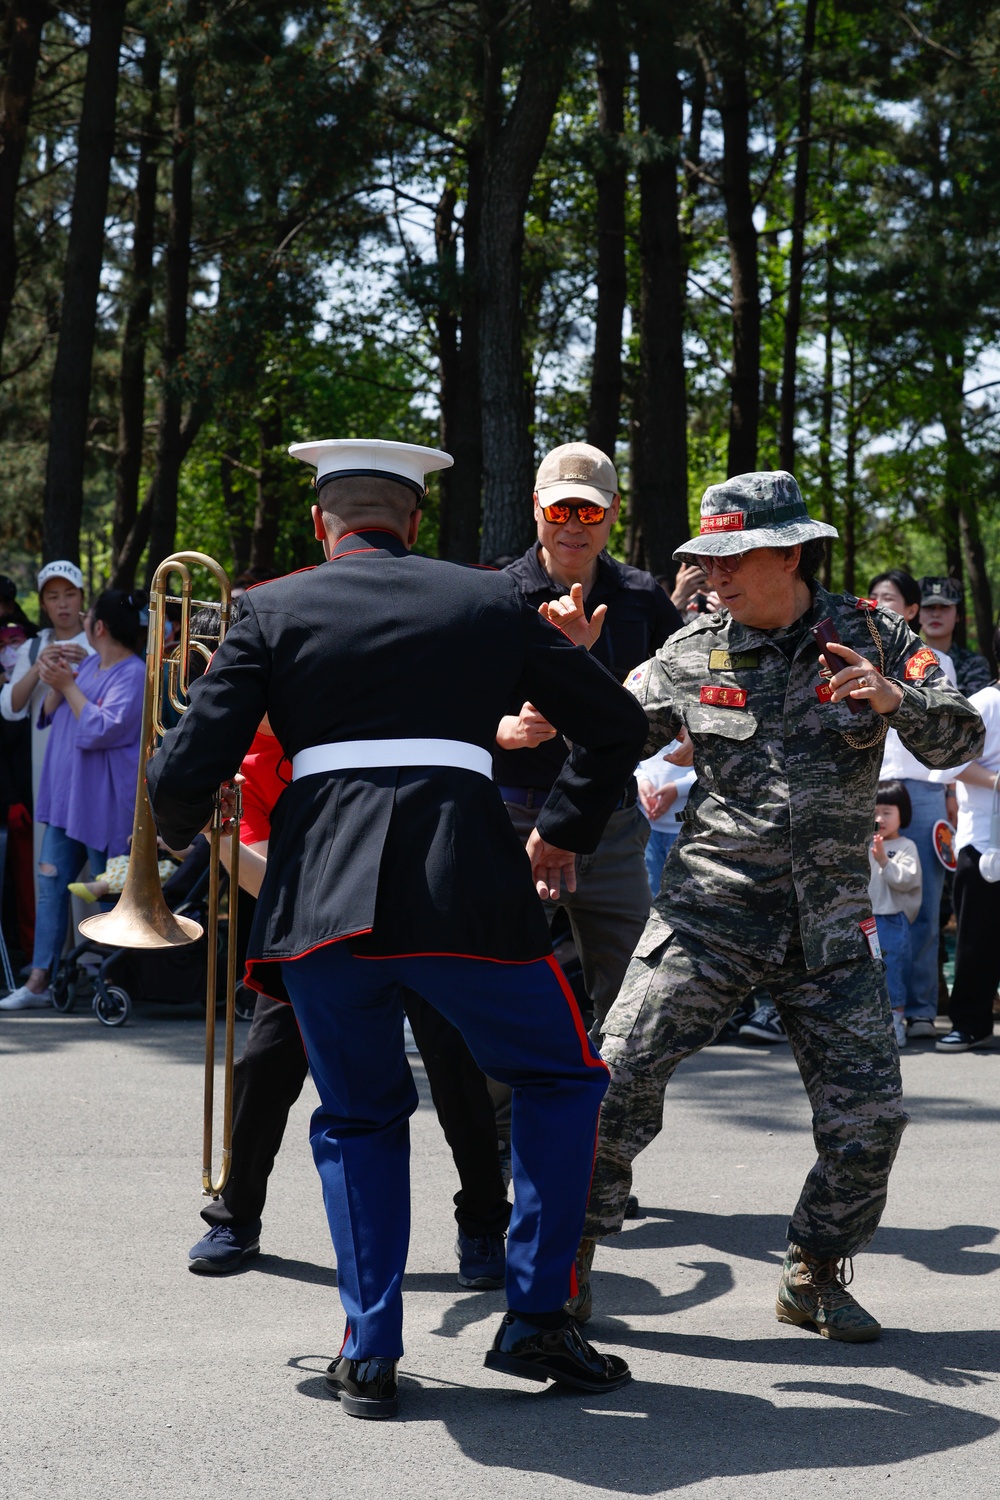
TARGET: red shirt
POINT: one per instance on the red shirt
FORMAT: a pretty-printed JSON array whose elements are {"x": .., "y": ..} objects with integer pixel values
[{"x": 262, "y": 788}]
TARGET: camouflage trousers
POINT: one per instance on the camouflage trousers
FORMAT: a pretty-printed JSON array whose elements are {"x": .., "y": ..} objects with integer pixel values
[{"x": 676, "y": 996}]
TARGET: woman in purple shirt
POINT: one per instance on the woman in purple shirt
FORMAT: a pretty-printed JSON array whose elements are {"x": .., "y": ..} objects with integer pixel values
[{"x": 87, "y": 791}]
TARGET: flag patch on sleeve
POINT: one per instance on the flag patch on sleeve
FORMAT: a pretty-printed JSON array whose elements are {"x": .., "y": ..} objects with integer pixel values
[{"x": 919, "y": 665}]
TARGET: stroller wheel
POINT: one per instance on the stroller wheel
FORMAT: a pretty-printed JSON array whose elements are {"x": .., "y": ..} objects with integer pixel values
[
  {"x": 64, "y": 993},
  {"x": 246, "y": 1001},
  {"x": 112, "y": 1005}
]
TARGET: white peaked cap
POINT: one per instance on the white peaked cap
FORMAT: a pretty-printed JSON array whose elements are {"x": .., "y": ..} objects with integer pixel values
[{"x": 340, "y": 458}]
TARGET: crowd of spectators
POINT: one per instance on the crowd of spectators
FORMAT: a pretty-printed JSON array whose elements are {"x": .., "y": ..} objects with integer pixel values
[{"x": 70, "y": 711}]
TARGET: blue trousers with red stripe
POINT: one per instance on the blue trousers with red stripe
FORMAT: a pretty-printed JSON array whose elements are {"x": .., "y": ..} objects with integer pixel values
[{"x": 523, "y": 1028}]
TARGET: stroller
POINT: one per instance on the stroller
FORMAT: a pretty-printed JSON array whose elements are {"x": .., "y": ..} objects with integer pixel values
[{"x": 109, "y": 978}]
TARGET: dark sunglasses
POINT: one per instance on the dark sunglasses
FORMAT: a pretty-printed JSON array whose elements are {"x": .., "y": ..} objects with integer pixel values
[
  {"x": 709, "y": 565},
  {"x": 587, "y": 515}
]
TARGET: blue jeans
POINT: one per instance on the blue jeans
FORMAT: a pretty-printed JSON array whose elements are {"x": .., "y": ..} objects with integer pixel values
[
  {"x": 661, "y": 841},
  {"x": 67, "y": 857},
  {"x": 894, "y": 938},
  {"x": 925, "y": 933}
]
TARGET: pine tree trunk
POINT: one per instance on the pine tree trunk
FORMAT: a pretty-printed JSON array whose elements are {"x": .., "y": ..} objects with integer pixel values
[
  {"x": 659, "y": 423},
  {"x": 239, "y": 531},
  {"x": 458, "y": 335},
  {"x": 20, "y": 44},
  {"x": 744, "y": 411},
  {"x": 271, "y": 489},
  {"x": 163, "y": 528},
  {"x": 128, "y": 559},
  {"x": 511, "y": 158},
  {"x": 826, "y": 418},
  {"x": 70, "y": 391},
  {"x": 132, "y": 382},
  {"x": 850, "y": 478},
  {"x": 610, "y": 181},
  {"x": 796, "y": 257},
  {"x": 964, "y": 533}
]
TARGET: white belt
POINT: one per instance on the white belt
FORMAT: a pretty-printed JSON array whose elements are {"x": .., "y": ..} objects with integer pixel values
[{"x": 361, "y": 755}]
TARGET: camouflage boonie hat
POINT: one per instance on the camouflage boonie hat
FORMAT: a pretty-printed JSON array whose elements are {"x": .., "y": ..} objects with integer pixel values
[
  {"x": 753, "y": 510},
  {"x": 940, "y": 591}
]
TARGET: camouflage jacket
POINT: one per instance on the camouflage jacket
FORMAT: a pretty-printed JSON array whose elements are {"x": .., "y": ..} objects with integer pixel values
[
  {"x": 778, "y": 825},
  {"x": 972, "y": 671}
]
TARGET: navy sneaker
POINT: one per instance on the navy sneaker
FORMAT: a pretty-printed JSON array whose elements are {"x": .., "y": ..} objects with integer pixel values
[
  {"x": 225, "y": 1248},
  {"x": 961, "y": 1041},
  {"x": 482, "y": 1261},
  {"x": 764, "y": 1025}
]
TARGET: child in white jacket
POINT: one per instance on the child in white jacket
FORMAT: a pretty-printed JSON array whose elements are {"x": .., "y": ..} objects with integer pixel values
[{"x": 894, "y": 889}]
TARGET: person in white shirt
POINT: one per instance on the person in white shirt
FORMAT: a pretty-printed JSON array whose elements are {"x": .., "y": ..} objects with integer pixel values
[
  {"x": 977, "y": 900},
  {"x": 664, "y": 788},
  {"x": 894, "y": 889},
  {"x": 898, "y": 591}
]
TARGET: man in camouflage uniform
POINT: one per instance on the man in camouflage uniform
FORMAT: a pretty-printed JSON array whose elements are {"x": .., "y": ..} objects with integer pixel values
[
  {"x": 940, "y": 601},
  {"x": 767, "y": 882}
]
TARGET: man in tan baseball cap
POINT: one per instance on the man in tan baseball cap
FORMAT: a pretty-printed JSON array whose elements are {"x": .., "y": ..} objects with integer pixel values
[{"x": 576, "y": 503}]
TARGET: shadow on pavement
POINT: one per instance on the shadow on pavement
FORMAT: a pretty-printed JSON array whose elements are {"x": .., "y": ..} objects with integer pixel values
[
  {"x": 963, "y": 1358},
  {"x": 649, "y": 1439},
  {"x": 949, "y": 1251}
]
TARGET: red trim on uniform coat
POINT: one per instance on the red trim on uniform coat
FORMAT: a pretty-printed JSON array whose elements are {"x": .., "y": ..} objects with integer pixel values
[
  {"x": 377, "y": 530},
  {"x": 253, "y": 984},
  {"x": 307, "y": 568},
  {"x": 479, "y": 958}
]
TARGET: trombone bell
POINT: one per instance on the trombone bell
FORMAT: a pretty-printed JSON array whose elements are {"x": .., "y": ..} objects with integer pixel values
[
  {"x": 141, "y": 917},
  {"x": 140, "y": 927}
]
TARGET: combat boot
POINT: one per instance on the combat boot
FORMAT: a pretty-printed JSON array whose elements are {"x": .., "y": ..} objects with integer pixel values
[
  {"x": 813, "y": 1291},
  {"x": 581, "y": 1306}
]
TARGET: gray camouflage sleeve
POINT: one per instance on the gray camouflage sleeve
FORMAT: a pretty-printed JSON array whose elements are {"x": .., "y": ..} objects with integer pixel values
[
  {"x": 934, "y": 721},
  {"x": 651, "y": 685}
]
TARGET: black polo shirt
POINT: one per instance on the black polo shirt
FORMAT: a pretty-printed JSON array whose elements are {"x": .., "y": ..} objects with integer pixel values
[{"x": 640, "y": 617}]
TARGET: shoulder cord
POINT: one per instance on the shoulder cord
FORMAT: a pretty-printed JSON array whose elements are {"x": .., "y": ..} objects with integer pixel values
[{"x": 883, "y": 724}]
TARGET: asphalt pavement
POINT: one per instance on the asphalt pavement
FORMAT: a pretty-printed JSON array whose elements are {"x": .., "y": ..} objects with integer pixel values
[{"x": 125, "y": 1375}]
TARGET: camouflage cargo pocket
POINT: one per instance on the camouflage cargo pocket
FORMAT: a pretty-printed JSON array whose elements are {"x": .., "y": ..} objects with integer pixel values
[{"x": 640, "y": 977}]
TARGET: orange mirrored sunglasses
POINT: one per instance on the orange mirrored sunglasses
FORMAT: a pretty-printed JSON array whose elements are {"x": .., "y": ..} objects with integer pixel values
[{"x": 587, "y": 515}]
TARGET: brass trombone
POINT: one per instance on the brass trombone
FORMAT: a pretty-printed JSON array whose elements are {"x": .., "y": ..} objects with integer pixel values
[{"x": 141, "y": 918}]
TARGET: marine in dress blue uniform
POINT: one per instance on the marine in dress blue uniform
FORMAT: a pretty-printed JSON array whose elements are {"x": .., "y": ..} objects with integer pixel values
[{"x": 392, "y": 862}]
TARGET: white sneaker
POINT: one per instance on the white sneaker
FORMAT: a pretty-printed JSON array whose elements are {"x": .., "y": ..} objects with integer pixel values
[
  {"x": 921, "y": 1029},
  {"x": 899, "y": 1026},
  {"x": 25, "y": 999}
]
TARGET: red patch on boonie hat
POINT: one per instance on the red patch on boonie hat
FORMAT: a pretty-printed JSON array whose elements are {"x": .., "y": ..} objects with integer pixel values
[{"x": 732, "y": 520}]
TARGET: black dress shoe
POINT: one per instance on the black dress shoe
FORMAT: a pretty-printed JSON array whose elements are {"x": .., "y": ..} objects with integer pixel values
[
  {"x": 364, "y": 1387},
  {"x": 559, "y": 1354},
  {"x": 961, "y": 1041}
]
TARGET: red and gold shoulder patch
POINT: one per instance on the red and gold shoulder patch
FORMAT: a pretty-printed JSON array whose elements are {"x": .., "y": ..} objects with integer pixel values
[
  {"x": 866, "y": 604},
  {"x": 920, "y": 664},
  {"x": 724, "y": 697}
]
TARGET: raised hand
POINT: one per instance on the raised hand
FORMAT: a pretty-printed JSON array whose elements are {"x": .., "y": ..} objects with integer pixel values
[{"x": 571, "y": 617}]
